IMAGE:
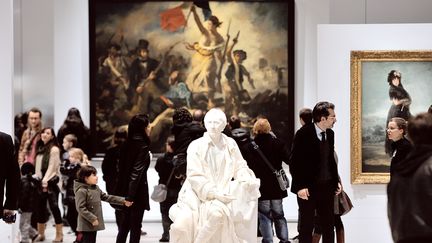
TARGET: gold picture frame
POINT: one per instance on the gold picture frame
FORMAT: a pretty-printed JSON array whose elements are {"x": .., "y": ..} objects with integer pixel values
[{"x": 369, "y": 101}]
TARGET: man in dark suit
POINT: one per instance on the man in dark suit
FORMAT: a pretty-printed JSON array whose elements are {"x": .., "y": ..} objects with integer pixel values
[
  {"x": 9, "y": 177},
  {"x": 314, "y": 172}
]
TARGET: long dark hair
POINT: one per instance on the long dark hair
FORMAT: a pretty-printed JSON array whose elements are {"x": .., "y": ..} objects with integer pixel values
[
  {"x": 74, "y": 116},
  {"x": 46, "y": 148},
  {"x": 137, "y": 128}
]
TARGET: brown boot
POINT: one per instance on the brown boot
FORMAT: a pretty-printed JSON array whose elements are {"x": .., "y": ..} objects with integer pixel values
[
  {"x": 340, "y": 236},
  {"x": 316, "y": 238},
  {"x": 41, "y": 232},
  {"x": 59, "y": 233}
]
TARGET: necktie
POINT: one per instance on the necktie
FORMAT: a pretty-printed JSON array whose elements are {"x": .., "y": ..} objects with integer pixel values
[{"x": 323, "y": 136}]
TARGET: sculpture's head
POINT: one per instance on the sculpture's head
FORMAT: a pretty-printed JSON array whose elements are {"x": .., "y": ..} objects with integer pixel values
[{"x": 215, "y": 121}]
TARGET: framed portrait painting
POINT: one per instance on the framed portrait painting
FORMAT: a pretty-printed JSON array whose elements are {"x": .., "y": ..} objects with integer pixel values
[
  {"x": 384, "y": 84},
  {"x": 153, "y": 57}
]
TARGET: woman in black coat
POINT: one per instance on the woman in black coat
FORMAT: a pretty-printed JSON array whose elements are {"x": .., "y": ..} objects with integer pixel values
[
  {"x": 132, "y": 181},
  {"x": 73, "y": 124},
  {"x": 185, "y": 131},
  {"x": 396, "y": 131},
  {"x": 410, "y": 189},
  {"x": 270, "y": 206}
]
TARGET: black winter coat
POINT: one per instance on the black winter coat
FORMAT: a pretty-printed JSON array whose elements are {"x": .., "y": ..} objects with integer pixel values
[
  {"x": 28, "y": 196},
  {"x": 401, "y": 148},
  {"x": 276, "y": 152},
  {"x": 134, "y": 163},
  {"x": 69, "y": 170},
  {"x": 110, "y": 168},
  {"x": 9, "y": 174},
  {"x": 164, "y": 166},
  {"x": 305, "y": 159},
  {"x": 184, "y": 134},
  {"x": 409, "y": 196},
  {"x": 80, "y": 131}
]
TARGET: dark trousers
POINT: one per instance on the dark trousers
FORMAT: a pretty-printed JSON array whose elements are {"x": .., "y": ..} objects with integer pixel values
[
  {"x": 52, "y": 198},
  {"x": 118, "y": 215},
  {"x": 89, "y": 237},
  {"x": 321, "y": 201},
  {"x": 171, "y": 199},
  {"x": 337, "y": 223},
  {"x": 72, "y": 214},
  {"x": 130, "y": 221}
]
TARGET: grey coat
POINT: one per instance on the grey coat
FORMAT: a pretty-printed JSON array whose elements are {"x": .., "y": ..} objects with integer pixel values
[{"x": 88, "y": 204}]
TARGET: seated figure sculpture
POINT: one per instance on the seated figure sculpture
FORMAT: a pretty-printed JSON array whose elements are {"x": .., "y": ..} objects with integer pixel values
[{"x": 218, "y": 200}]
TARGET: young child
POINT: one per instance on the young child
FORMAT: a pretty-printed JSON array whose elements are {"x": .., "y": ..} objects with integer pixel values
[
  {"x": 25, "y": 203},
  {"x": 77, "y": 155},
  {"x": 69, "y": 141},
  {"x": 165, "y": 166},
  {"x": 88, "y": 198},
  {"x": 69, "y": 170}
]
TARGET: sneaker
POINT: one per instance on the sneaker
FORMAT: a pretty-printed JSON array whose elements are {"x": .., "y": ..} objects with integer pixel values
[
  {"x": 164, "y": 240},
  {"x": 143, "y": 233}
]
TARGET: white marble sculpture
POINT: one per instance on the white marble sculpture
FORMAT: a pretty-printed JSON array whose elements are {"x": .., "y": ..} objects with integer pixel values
[{"x": 211, "y": 206}]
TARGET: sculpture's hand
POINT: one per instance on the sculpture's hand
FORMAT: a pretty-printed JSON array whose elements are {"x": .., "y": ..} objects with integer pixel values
[
  {"x": 253, "y": 186},
  {"x": 225, "y": 198}
]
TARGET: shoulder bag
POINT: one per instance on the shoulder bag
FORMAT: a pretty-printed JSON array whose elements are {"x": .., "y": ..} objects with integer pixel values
[
  {"x": 160, "y": 191},
  {"x": 280, "y": 174}
]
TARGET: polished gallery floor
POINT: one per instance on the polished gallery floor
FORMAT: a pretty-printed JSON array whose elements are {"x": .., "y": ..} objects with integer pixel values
[{"x": 154, "y": 232}]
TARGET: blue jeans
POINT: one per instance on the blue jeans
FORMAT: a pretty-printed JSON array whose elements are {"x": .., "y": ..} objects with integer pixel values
[{"x": 269, "y": 210}]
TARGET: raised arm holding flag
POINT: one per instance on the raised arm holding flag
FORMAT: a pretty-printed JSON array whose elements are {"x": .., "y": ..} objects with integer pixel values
[{"x": 202, "y": 76}]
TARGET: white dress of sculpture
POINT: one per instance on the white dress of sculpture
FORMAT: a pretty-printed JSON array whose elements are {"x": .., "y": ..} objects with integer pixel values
[{"x": 212, "y": 207}]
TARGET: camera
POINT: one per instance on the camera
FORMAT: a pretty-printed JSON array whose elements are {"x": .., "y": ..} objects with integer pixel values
[{"x": 9, "y": 218}]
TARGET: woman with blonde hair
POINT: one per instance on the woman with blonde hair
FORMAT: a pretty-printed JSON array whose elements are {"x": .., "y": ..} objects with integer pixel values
[{"x": 270, "y": 206}]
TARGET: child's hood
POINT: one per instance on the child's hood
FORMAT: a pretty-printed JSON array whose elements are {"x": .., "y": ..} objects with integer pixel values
[{"x": 78, "y": 185}]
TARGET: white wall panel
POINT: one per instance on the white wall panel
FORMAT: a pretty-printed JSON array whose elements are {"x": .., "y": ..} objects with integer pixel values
[
  {"x": 71, "y": 60},
  {"x": 368, "y": 221}
]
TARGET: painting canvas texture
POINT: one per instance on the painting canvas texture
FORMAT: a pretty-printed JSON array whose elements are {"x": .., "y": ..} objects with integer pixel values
[
  {"x": 417, "y": 81},
  {"x": 380, "y": 101},
  {"x": 154, "y": 57}
]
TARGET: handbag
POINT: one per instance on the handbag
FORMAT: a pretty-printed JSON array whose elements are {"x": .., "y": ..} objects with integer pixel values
[
  {"x": 160, "y": 191},
  {"x": 280, "y": 174},
  {"x": 342, "y": 204},
  {"x": 54, "y": 180}
]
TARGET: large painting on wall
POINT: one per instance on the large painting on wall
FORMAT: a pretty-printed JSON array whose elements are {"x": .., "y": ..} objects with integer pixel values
[
  {"x": 155, "y": 56},
  {"x": 384, "y": 84}
]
